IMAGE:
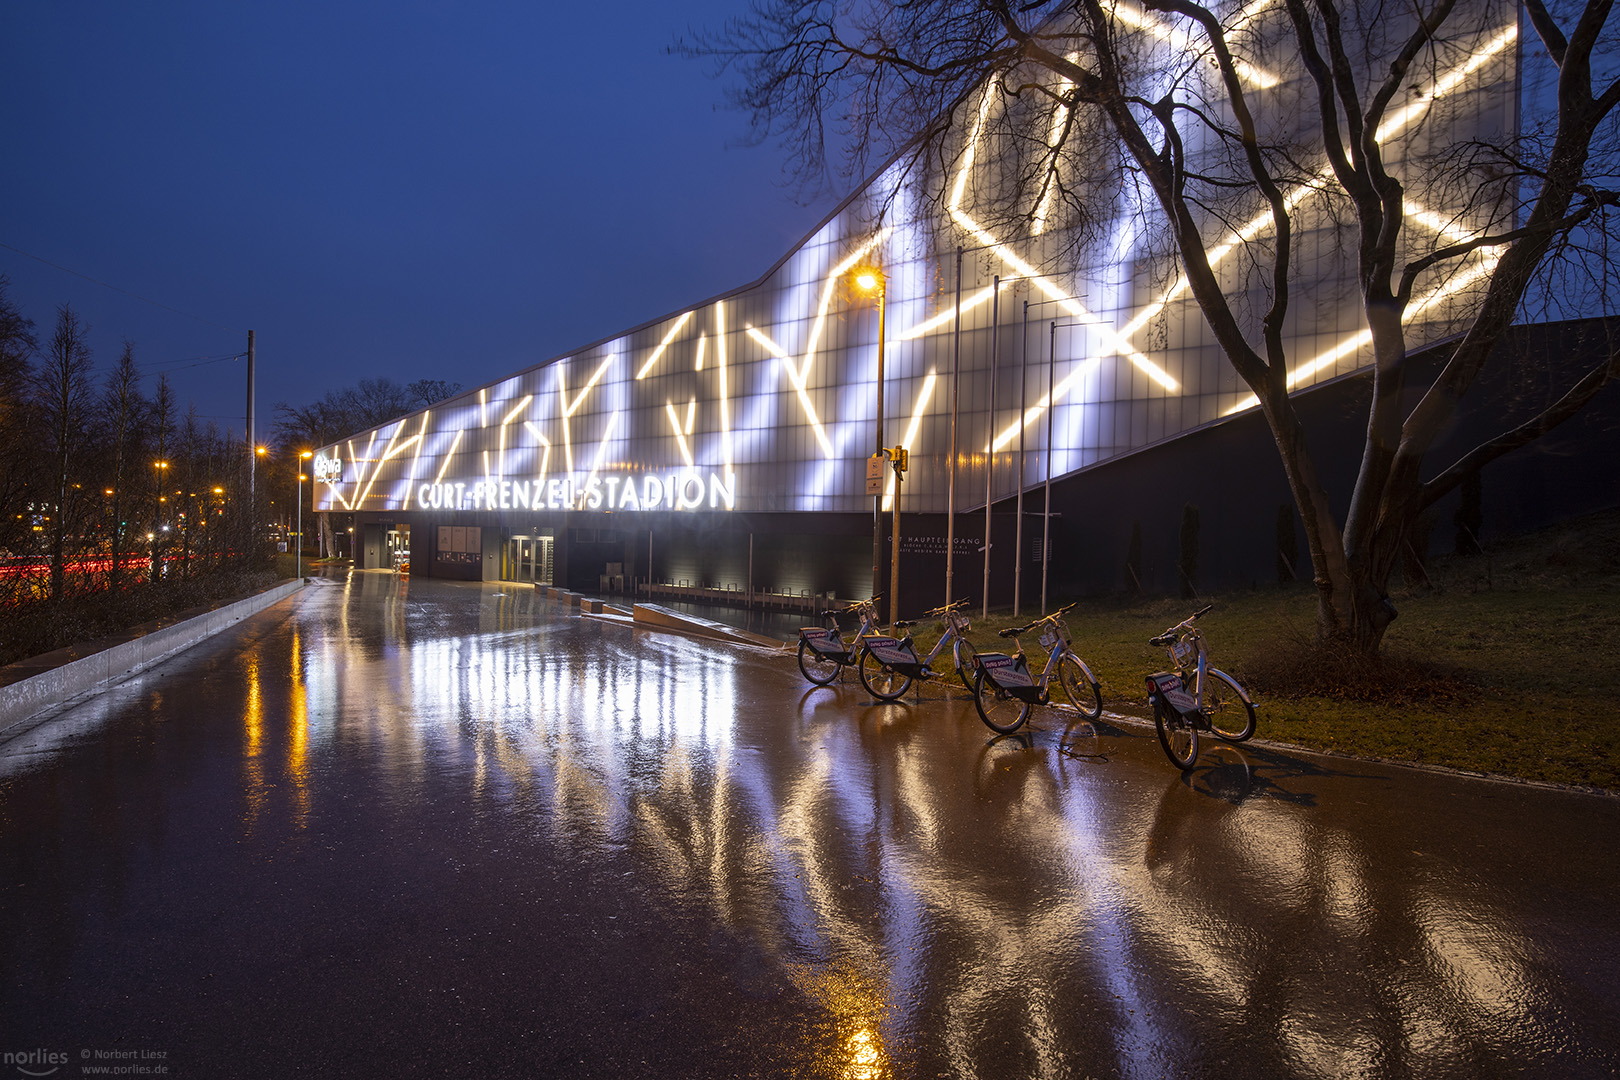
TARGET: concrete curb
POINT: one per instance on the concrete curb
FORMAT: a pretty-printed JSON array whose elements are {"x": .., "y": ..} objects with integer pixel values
[
  {"x": 657, "y": 617},
  {"x": 1146, "y": 723},
  {"x": 42, "y": 682}
]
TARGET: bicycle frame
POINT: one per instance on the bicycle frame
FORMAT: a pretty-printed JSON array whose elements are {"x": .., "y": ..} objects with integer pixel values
[
  {"x": 1172, "y": 686},
  {"x": 1013, "y": 668},
  {"x": 1005, "y": 678},
  {"x": 828, "y": 642},
  {"x": 956, "y": 628},
  {"x": 1187, "y": 701},
  {"x": 896, "y": 653}
]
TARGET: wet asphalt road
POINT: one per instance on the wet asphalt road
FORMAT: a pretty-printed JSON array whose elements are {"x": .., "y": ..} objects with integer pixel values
[{"x": 411, "y": 828}]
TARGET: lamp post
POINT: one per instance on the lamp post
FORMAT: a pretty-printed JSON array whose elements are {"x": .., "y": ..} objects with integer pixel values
[
  {"x": 253, "y": 495},
  {"x": 157, "y": 512},
  {"x": 298, "y": 556},
  {"x": 869, "y": 279}
]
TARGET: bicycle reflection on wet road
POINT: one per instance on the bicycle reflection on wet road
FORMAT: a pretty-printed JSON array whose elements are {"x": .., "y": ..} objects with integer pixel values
[{"x": 405, "y": 826}]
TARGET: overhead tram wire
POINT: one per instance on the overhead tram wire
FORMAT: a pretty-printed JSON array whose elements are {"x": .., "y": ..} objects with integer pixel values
[
  {"x": 115, "y": 288},
  {"x": 187, "y": 364}
]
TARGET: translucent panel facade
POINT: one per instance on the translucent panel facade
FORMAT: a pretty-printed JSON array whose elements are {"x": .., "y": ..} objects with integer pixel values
[{"x": 765, "y": 400}]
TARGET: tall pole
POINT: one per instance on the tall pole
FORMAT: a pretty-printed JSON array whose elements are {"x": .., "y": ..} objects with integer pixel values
[
  {"x": 1023, "y": 410},
  {"x": 1046, "y": 518},
  {"x": 950, "y": 491},
  {"x": 877, "y": 500},
  {"x": 252, "y": 444},
  {"x": 990, "y": 450},
  {"x": 298, "y": 552},
  {"x": 894, "y": 551}
]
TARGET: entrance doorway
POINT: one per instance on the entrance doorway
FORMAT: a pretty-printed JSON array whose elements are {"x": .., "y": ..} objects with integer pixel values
[
  {"x": 527, "y": 558},
  {"x": 397, "y": 548}
]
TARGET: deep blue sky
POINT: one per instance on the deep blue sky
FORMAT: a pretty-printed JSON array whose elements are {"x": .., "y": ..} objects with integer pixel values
[{"x": 405, "y": 189}]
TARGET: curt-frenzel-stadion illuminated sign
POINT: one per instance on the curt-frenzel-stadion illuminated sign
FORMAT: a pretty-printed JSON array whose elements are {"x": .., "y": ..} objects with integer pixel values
[
  {"x": 688, "y": 489},
  {"x": 677, "y": 491},
  {"x": 1067, "y": 339}
]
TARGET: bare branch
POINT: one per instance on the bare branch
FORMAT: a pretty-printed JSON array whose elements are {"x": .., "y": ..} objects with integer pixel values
[{"x": 1567, "y": 406}]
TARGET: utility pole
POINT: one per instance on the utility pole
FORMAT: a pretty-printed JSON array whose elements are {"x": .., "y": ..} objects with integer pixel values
[
  {"x": 900, "y": 463},
  {"x": 1046, "y": 514},
  {"x": 1023, "y": 413},
  {"x": 990, "y": 451},
  {"x": 252, "y": 444},
  {"x": 950, "y": 490}
]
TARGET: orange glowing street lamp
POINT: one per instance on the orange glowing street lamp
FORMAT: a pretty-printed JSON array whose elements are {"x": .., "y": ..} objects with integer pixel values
[{"x": 298, "y": 558}]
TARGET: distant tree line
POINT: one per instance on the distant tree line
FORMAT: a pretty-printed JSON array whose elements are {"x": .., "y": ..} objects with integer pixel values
[
  {"x": 367, "y": 404},
  {"x": 105, "y": 482}
]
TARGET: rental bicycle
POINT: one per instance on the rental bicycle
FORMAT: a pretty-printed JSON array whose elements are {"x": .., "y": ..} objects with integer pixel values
[
  {"x": 889, "y": 665},
  {"x": 823, "y": 653},
  {"x": 1005, "y": 692},
  {"x": 1216, "y": 704}
]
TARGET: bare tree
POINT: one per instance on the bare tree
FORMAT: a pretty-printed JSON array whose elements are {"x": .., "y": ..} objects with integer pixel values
[
  {"x": 354, "y": 408},
  {"x": 122, "y": 407},
  {"x": 17, "y": 345},
  {"x": 1090, "y": 107},
  {"x": 163, "y": 407},
  {"x": 62, "y": 398},
  {"x": 427, "y": 392}
]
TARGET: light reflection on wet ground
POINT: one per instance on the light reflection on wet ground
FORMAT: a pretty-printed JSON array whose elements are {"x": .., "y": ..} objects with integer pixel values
[{"x": 416, "y": 828}]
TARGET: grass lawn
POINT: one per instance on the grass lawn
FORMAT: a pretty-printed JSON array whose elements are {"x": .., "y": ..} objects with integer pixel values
[{"x": 1520, "y": 630}]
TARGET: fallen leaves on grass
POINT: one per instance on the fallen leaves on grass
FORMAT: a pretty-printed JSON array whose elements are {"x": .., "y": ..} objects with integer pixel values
[{"x": 1297, "y": 667}]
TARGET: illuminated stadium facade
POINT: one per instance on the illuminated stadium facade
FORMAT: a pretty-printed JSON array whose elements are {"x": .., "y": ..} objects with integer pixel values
[{"x": 726, "y": 444}]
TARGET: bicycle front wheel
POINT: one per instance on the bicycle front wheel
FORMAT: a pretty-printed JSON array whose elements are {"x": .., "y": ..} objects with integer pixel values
[
  {"x": 1178, "y": 737},
  {"x": 881, "y": 681},
  {"x": 999, "y": 710},
  {"x": 1084, "y": 692},
  {"x": 1231, "y": 716},
  {"x": 817, "y": 667}
]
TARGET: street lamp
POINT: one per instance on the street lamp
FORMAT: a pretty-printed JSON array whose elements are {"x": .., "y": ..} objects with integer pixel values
[
  {"x": 869, "y": 280},
  {"x": 253, "y": 492},
  {"x": 157, "y": 510},
  {"x": 298, "y": 558}
]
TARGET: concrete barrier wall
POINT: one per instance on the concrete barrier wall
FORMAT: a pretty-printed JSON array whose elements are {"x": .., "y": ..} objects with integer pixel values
[
  {"x": 64, "y": 674},
  {"x": 657, "y": 617}
]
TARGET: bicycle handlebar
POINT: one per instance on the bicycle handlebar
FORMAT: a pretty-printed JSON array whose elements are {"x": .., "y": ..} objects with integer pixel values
[
  {"x": 1017, "y": 631},
  {"x": 1174, "y": 632}
]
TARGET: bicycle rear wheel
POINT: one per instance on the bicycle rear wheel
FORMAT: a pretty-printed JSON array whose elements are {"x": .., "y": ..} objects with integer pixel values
[
  {"x": 1178, "y": 737},
  {"x": 880, "y": 680},
  {"x": 817, "y": 667},
  {"x": 999, "y": 710},
  {"x": 1231, "y": 716},
  {"x": 1084, "y": 692}
]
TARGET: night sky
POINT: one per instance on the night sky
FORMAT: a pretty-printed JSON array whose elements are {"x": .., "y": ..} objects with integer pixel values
[{"x": 416, "y": 190}]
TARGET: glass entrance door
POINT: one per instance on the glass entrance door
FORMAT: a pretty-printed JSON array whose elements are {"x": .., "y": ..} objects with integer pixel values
[{"x": 527, "y": 559}]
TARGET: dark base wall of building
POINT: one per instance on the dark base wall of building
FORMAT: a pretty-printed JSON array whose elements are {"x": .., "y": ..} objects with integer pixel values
[{"x": 1117, "y": 528}]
